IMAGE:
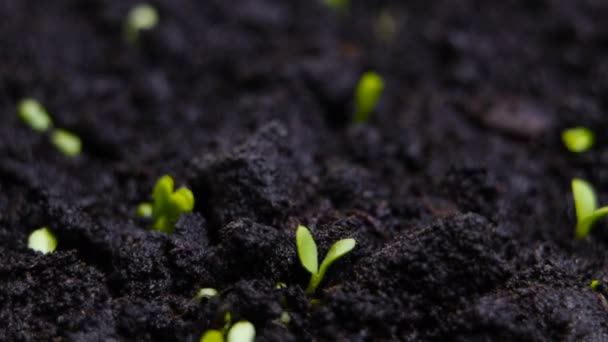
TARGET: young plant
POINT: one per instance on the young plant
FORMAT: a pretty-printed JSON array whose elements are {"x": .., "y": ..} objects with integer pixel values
[
  {"x": 307, "y": 252},
  {"x": 585, "y": 204},
  {"x": 42, "y": 240},
  {"x": 141, "y": 17},
  {"x": 241, "y": 331},
  {"x": 168, "y": 205},
  {"x": 594, "y": 285},
  {"x": 66, "y": 142},
  {"x": 367, "y": 93},
  {"x": 34, "y": 115},
  {"x": 206, "y": 292},
  {"x": 578, "y": 139}
]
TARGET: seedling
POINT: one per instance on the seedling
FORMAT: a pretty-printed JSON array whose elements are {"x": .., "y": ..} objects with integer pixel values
[
  {"x": 141, "y": 17},
  {"x": 66, "y": 142},
  {"x": 206, "y": 292},
  {"x": 585, "y": 203},
  {"x": 337, "y": 5},
  {"x": 578, "y": 139},
  {"x": 367, "y": 93},
  {"x": 594, "y": 284},
  {"x": 42, "y": 240},
  {"x": 34, "y": 115},
  {"x": 241, "y": 331},
  {"x": 307, "y": 252},
  {"x": 167, "y": 206}
]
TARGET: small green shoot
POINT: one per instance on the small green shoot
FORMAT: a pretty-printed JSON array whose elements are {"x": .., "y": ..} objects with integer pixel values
[
  {"x": 141, "y": 17},
  {"x": 66, "y": 142},
  {"x": 585, "y": 203},
  {"x": 168, "y": 205},
  {"x": 578, "y": 139},
  {"x": 593, "y": 285},
  {"x": 34, "y": 115},
  {"x": 206, "y": 292},
  {"x": 241, "y": 331},
  {"x": 285, "y": 317},
  {"x": 307, "y": 252},
  {"x": 337, "y": 5},
  {"x": 42, "y": 240},
  {"x": 367, "y": 93},
  {"x": 144, "y": 210}
]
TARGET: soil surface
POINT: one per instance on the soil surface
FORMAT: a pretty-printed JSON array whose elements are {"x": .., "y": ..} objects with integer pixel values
[{"x": 457, "y": 190}]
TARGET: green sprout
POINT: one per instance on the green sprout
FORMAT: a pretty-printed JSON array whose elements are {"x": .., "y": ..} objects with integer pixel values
[
  {"x": 206, "y": 292},
  {"x": 337, "y": 5},
  {"x": 141, "y": 17},
  {"x": 42, "y": 240},
  {"x": 168, "y": 205},
  {"x": 594, "y": 284},
  {"x": 367, "y": 93},
  {"x": 578, "y": 139},
  {"x": 585, "y": 203},
  {"x": 34, "y": 115},
  {"x": 242, "y": 331},
  {"x": 67, "y": 142},
  {"x": 307, "y": 252}
]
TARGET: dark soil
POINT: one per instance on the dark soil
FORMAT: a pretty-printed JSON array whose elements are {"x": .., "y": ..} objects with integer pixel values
[{"x": 457, "y": 190}]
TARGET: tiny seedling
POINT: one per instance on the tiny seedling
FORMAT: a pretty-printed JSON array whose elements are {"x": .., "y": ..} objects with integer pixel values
[
  {"x": 42, "y": 240},
  {"x": 34, "y": 115},
  {"x": 578, "y": 139},
  {"x": 585, "y": 204},
  {"x": 168, "y": 205},
  {"x": 367, "y": 93},
  {"x": 141, "y": 17},
  {"x": 206, "y": 292},
  {"x": 307, "y": 252},
  {"x": 241, "y": 331},
  {"x": 66, "y": 142},
  {"x": 594, "y": 284}
]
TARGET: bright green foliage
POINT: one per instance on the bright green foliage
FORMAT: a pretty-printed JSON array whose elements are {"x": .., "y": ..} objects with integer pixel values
[
  {"x": 206, "y": 292},
  {"x": 212, "y": 336},
  {"x": 241, "y": 331},
  {"x": 168, "y": 205},
  {"x": 141, "y": 17},
  {"x": 337, "y": 5},
  {"x": 42, "y": 240},
  {"x": 593, "y": 285},
  {"x": 66, "y": 142},
  {"x": 33, "y": 113},
  {"x": 578, "y": 139},
  {"x": 367, "y": 93},
  {"x": 585, "y": 203},
  {"x": 307, "y": 252}
]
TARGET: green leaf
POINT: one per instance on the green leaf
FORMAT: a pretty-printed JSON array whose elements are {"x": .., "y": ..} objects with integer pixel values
[
  {"x": 336, "y": 251},
  {"x": 42, "y": 240},
  {"x": 141, "y": 17},
  {"x": 212, "y": 336},
  {"x": 593, "y": 285},
  {"x": 34, "y": 115},
  {"x": 367, "y": 93},
  {"x": 184, "y": 199},
  {"x": 584, "y": 226},
  {"x": 161, "y": 193},
  {"x": 585, "y": 200},
  {"x": 206, "y": 292},
  {"x": 144, "y": 210},
  {"x": 307, "y": 249},
  {"x": 578, "y": 139},
  {"x": 66, "y": 142},
  {"x": 241, "y": 331}
]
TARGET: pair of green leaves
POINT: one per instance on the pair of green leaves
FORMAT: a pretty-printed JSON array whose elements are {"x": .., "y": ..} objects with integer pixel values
[
  {"x": 307, "y": 252},
  {"x": 168, "y": 205},
  {"x": 241, "y": 331},
  {"x": 34, "y": 115},
  {"x": 585, "y": 203}
]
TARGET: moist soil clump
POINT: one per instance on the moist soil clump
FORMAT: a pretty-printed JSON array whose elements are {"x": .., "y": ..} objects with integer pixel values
[{"x": 457, "y": 190}]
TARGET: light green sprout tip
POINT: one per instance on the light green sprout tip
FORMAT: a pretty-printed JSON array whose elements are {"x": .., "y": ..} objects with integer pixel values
[
  {"x": 206, "y": 292},
  {"x": 66, "y": 142},
  {"x": 241, "y": 331},
  {"x": 167, "y": 205},
  {"x": 337, "y": 5},
  {"x": 593, "y": 285},
  {"x": 578, "y": 139},
  {"x": 307, "y": 252},
  {"x": 586, "y": 206},
  {"x": 42, "y": 240},
  {"x": 141, "y": 17},
  {"x": 367, "y": 93},
  {"x": 34, "y": 115}
]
